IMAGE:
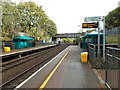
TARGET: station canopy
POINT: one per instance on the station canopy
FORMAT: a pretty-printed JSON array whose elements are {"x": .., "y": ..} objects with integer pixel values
[
  {"x": 23, "y": 37},
  {"x": 93, "y": 33}
]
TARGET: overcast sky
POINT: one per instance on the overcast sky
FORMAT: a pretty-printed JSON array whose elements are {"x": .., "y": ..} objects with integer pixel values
[{"x": 69, "y": 14}]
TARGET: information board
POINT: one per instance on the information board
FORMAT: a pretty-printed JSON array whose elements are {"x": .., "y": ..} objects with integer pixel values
[{"x": 89, "y": 25}]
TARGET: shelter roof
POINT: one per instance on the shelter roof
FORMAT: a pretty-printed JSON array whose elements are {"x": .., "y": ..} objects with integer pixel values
[
  {"x": 93, "y": 33},
  {"x": 23, "y": 37}
]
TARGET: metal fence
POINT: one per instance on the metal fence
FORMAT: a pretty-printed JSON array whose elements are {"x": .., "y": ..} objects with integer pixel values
[
  {"x": 92, "y": 55},
  {"x": 95, "y": 58},
  {"x": 113, "y": 31},
  {"x": 112, "y": 67}
]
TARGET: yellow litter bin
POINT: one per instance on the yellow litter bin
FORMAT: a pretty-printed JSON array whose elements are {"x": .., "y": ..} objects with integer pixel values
[
  {"x": 6, "y": 49},
  {"x": 84, "y": 56}
]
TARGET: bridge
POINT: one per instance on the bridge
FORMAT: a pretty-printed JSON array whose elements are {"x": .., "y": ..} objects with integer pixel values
[{"x": 68, "y": 35}]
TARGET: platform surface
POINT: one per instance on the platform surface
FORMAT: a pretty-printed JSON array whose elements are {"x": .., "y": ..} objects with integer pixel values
[{"x": 71, "y": 73}]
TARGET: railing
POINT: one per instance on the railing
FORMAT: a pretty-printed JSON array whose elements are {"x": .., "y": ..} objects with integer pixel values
[
  {"x": 95, "y": 58},
  {"x": 92, "y": 55},
  {"x": 113, "y": 67}
]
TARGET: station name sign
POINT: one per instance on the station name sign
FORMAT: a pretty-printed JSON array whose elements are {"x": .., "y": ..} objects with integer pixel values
[
  {"x": 89, "y": 25},
  {"x": 88, "y": 19}
]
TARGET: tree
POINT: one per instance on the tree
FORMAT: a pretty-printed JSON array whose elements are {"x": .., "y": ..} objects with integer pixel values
[
  {"x": 34, "y": 19},
  {"x": 25, "y": 17},
  {"x": 9, "y": 18},
  {"x": 29, "y": 16},
  {"x": 113, "y": 18}
]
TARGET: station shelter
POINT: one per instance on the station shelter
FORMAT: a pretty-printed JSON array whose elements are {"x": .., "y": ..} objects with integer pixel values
[
  {"x": 22, "y": 42},
  {"x": 91, "y": 38}
]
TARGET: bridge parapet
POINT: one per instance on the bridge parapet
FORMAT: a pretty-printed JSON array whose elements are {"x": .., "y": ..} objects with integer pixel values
[{"x": 68, "y": 35}]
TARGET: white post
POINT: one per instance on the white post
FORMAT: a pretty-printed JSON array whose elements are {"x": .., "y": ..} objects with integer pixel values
[
  {"x": 0, "y": 45},
  {"x": 104, "y": 38},
  {"x": 98, "y": 39}
]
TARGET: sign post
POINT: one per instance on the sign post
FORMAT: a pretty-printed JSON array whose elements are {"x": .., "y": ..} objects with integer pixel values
[
  {"x": 104, "y": 39},
  {"x": 98, "y": 55},
  {"x": 97, "y": 19}
]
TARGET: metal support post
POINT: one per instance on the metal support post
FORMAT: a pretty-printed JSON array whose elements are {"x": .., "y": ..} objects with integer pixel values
[
  {"x": 104, "y": 38},
  {"x": 98, "y": 39},
  {"x": 0, "y": 45}
]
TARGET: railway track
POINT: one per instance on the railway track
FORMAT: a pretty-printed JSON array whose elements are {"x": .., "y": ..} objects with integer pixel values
[
  {"x": 22, "y": 53},
  {"x": 15, "y": 62},
  {"x": 14, "y": 72}
]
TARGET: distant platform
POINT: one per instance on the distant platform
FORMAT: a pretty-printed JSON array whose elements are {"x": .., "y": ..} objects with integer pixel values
[{"x": 25, "y": 50}]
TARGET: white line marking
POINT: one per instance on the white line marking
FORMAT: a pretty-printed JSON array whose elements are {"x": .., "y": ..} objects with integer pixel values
[
  {"x": 108, "y": 86},
  {"x": 38, "y": 70},
  {"x": 99, "y": 77}
]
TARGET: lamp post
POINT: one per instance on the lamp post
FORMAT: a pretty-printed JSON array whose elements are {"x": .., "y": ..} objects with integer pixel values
[{"x": 80, "y": 30}]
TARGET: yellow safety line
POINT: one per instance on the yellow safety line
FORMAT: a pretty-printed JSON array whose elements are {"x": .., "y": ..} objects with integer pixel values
[{"x": 53, "y": 71}]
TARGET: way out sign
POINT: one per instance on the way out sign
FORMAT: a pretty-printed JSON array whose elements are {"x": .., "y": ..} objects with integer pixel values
[
  {"x": 89, "y": 25},
  {"x": 89, "y": 19}
]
